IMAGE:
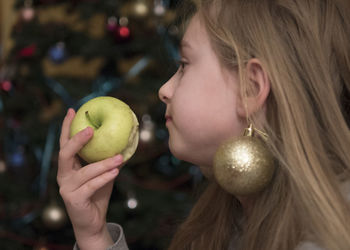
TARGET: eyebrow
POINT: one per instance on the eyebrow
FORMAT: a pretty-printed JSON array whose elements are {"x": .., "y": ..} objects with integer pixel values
[{"x": 185, "y": 44}]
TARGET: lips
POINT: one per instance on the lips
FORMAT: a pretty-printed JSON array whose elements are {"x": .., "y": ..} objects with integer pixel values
[{"x": 168, "y": 118}]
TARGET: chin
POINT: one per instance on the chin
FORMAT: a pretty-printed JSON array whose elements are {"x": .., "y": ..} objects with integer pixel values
[
  {"x": 186, "y": 154},
  {"x": 175, "y": 150},
  {"x": 206, "y": 169}
]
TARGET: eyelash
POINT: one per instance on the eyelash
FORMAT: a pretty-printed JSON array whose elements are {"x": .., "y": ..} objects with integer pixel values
[{"x": 181, "y": 64}]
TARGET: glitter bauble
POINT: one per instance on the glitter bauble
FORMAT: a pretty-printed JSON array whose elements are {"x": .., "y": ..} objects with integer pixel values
[{"x": 243, "y": 166}]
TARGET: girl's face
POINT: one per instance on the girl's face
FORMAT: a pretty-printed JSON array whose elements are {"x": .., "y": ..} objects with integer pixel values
[{"x": 201, "y": 101}]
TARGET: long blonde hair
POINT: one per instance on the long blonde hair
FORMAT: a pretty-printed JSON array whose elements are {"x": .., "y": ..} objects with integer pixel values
[{"x": 304, "y": 45}]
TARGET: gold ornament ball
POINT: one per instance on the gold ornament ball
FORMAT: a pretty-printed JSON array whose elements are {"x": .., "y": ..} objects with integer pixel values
[
  {"x": 2, "y": 167},
  {"x": 140, "y": 9},
  {"x": 243, "y": 166},
  {"x": 41, "y": 247},
  {"x": 54, "y": 217}
]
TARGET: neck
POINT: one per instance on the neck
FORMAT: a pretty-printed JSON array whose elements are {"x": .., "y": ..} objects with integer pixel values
[
  {"x": 247, "y": 204},
  {"x": 207, "y": 172}
]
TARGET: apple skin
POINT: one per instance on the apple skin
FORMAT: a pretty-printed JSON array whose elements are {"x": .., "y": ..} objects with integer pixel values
[{"x": 115, "y": 128}]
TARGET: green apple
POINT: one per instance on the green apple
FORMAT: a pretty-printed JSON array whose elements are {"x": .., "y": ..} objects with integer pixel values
[{"x": 115, "y": 129}]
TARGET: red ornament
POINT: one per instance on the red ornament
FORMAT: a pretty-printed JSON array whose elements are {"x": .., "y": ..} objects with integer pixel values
[
  {"x": 28, "y": 51},
  {"x": 122, "y": 34},
  {"x": 6, "y": 86},
  {"x": 112, "y": 24},
  {"x": 28, "y": 14},
  {"x": 48, "y": 1}
]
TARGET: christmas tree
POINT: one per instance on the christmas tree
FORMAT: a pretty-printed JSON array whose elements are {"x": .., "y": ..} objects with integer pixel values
[{"x": 65, "y": 53}]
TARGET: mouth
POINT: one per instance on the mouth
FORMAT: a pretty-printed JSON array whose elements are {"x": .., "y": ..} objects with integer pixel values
[{"x": 167, "y": 118}]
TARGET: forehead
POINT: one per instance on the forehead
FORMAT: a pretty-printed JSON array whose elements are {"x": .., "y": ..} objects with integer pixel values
[
  {"x": 195, "y": 35},
  {"x": 196, "y": 43}
]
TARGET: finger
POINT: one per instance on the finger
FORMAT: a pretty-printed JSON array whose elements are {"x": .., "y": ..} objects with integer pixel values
[
  {"x": 77, "y": 165},
  {"x": 93, "y": 170},
  {"x": 74, "y": 145},
  {"x": 92, "y": 186},
  {"x": 65, "y": 168},
  {"x": 104, "y": 192},
  {"x": 66, "y": 127}
]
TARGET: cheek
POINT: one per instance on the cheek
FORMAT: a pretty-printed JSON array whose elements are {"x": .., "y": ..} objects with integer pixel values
[
  {"x": 206, "y": 109},
  {"x": 203, "y": 121},
  {"x": 193, "y": 109}
]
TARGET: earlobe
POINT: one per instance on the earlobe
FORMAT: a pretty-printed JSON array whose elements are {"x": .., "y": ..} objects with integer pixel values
[{"x": 257, "y": 89}]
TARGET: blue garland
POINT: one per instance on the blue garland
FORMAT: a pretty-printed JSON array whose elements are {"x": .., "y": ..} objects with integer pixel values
[
  {"x": 45, "y": 163},
  {"x": 1, "y": 105}
]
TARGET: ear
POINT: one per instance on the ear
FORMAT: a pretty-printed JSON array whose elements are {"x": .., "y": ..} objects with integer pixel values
[{"x": 259, "y": 89}]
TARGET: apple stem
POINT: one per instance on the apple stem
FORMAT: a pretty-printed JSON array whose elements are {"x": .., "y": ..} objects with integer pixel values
[{"x": 96, "y": 126}]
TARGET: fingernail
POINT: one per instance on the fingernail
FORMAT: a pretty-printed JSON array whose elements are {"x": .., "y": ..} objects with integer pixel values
[
  {"x": 114, "y": 171},
  {"x": 88, "y": 131},
  {"x": 68, "y": 111},
  {"x": 118, "y": 159}
]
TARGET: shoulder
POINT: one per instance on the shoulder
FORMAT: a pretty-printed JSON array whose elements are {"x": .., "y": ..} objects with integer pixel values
[
  {"x": 304, "y": 245},
  {"x": 307, "y": 245},
  {"x": 345, "y": 187}
]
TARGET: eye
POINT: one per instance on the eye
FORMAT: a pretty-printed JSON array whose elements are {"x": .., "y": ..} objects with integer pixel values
[{"x": 181, "y": 64}]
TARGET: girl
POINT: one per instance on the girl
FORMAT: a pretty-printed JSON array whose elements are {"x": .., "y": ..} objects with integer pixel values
[{"x": 282, "y": 65}]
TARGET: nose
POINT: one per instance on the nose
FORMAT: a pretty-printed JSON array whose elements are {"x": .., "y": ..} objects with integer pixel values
[{"x": 166, "y": 91}]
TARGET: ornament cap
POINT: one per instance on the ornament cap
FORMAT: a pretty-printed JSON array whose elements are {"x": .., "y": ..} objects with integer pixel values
[
  {"x": 28, "y": 3},
  {"x": 249, "y": 131}
]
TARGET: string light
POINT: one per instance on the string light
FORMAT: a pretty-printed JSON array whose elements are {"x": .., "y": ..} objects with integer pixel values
[
  {"x": 141, "y": 8},
  {"x": 132, "y": 203},
  {"x": 147, "y": 130}
]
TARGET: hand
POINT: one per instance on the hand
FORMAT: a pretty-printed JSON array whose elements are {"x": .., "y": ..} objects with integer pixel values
[{"x": 86, "y": 191}]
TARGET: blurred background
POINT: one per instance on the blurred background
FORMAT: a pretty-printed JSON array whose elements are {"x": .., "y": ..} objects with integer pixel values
[{"x": 57, "y": 54}]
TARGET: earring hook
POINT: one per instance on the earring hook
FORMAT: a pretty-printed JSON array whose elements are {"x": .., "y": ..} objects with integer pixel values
[{"x": 250, "y": 132}]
